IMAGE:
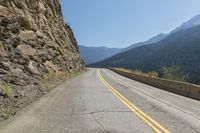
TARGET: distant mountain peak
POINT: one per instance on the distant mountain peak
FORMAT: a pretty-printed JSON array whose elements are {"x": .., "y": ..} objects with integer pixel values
[
  {"x": 154, "y": 39},
  {"x": 195, "y": 21},
  {"x": 157, "y": 38}
]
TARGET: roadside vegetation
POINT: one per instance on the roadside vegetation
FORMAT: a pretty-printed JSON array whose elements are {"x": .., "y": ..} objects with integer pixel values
[
  {"x": 8, "y": 89},
  {"x": 167, "y": 72},
  {"x": 52, "y": 79},
  {"x": 174, "y": 73},
  {"x": 153, "y": 74}
]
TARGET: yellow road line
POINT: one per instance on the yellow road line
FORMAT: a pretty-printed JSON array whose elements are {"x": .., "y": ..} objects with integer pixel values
[{"x": 148, "y": 120}]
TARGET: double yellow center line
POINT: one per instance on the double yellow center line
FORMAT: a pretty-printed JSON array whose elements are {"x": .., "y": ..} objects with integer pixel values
[{"x": 144, "y": 117}]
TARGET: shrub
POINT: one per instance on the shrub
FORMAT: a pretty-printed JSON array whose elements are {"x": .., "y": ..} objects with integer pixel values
[
  {"x": 124, "y": 69},
  {"x": 174, "y": 73},
  {"x": 137, "y": 71},
  {"x": 153, "y": 74}
]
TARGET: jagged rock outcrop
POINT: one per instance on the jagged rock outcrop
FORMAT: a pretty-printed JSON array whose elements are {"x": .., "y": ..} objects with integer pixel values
[{"x": 34, "y": 40}]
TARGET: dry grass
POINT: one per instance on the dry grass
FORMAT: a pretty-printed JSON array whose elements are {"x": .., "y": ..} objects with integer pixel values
[
  {"x": 139, "y": 72},
  {"x": 8, "y": 89},
  {"x": 124, "y": 69},
  {"x": 52, "y": 79}
]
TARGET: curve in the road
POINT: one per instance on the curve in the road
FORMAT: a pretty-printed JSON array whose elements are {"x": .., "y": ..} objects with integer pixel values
[
  {"x": 162, "y": 101},
  {"x": 147, "y": 119}
]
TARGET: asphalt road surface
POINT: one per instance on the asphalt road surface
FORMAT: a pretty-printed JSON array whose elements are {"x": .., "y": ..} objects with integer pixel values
[{"x": 101, "y": 101}]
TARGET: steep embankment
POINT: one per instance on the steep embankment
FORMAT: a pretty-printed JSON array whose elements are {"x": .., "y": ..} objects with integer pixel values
[{"x": 34, "y": 41}]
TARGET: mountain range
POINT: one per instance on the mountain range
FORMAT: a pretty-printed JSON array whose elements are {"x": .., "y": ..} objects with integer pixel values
[
  {"x": 181, "y": 48},
  {"x": 154, "y": 39},
  {"x": 195, "y": 21},
  {"x": 95, "y": 54}
]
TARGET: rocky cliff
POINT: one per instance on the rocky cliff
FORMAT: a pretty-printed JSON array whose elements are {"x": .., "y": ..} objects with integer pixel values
[{"x": 34, "y": 41}]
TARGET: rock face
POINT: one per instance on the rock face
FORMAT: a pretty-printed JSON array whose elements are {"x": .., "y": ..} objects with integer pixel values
[{"x": 34, "y": 40}]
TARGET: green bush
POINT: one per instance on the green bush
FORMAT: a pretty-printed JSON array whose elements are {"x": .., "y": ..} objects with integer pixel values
[{"x": 174, "y": 73}]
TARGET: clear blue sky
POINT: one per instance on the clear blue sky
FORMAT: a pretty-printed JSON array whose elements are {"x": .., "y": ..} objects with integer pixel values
[{"x": 120, "y": 23}]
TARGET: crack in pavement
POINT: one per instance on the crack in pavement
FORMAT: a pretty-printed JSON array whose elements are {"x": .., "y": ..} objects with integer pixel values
[
  {"x": 90, "y": 113},
  {"x": 98, "y": 122}
]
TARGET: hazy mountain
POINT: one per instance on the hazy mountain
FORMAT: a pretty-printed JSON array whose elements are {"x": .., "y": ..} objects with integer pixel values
[
  {"x": 181, "y": 48},
  {"x": 195, "y": 21},
  {"x": 95, "y": 54},
  {"x": 154, "y": 39},
  {"x": 189, "y": 24}
]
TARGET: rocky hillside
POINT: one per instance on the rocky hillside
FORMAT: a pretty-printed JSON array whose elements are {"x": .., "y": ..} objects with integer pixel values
[{"x": 34, "y": 41}]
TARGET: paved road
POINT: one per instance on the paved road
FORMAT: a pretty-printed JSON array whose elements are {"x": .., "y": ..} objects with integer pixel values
[{"x": 105, "y": 102}]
